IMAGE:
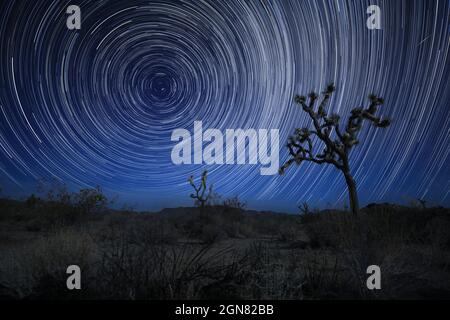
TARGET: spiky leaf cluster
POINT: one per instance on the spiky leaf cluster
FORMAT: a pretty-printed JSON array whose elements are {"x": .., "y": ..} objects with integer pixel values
[{"x": 336, "y": 147}]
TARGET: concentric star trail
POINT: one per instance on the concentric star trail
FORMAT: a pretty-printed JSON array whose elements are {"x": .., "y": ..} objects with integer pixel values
[{"x": 97, "y": 106}]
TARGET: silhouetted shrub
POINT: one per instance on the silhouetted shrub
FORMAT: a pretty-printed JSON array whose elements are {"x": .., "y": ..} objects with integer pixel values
[{"x": 90, "y": 201}]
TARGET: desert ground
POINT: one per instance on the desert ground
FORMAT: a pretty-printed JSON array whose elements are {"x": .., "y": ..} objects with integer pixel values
[{"x": 221, "y": 252}]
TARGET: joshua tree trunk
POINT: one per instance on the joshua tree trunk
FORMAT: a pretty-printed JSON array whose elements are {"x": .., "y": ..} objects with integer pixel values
[
  {"x": 202, "y": 209},
  {"x": 352, "y": 193}
]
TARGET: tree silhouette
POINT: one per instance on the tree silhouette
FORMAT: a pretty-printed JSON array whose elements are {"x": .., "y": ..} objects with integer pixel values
[
  {"x": 336, "y": 143},
  {"x": 202, "y": 192}
]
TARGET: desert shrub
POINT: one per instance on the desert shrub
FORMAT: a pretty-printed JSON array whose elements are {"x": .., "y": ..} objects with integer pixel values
[
  {"x": 122, "y": 266},
  {"x": 32, "y": 202},
  {"x": 233, "y": 208},
  {"x": 307, "y": 215},
  {"x": 405, "y": 242},
  {"x": 38, "y": 270},
  {"x": 262, "y": 273},
  {"x": 214, "y": 200},
  {"x": 55, "y": 191},
  {"x": 140, "y": 270},
  {"x": 234, "y": 203},
  {"x": 90, "y": 201},
  {"x": 322, "y": 276},
  {"x": 62, "y": 208},
  {"x": 51, "y": 215}
]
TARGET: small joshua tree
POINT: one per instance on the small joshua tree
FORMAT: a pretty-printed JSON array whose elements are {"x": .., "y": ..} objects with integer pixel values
[
  {"x": 202, "y": 192},
  {"x": 337, "y": 146}
]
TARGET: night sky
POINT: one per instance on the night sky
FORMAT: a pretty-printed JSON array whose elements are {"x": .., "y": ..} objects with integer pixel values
[{"x": 97, "y": 106}]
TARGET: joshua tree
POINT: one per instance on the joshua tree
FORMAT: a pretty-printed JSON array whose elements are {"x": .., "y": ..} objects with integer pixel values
[
  {"x": 304, "y": 209},
  {"x": 201, "y": 195},
  {"x": 335, "y": 142}
]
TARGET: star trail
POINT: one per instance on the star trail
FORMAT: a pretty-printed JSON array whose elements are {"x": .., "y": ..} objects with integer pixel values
[{"x": 97, "y": 106}]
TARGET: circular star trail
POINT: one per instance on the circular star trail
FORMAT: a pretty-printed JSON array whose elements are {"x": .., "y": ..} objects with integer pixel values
[{"x": 97, "y": 106}]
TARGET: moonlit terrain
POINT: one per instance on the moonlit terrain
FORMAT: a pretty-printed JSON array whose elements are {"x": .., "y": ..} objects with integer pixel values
[{"x": 97, "y": 106}]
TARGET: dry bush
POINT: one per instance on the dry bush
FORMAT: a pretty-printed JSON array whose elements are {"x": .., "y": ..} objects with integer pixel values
[
  {"x": 394, "y": 238},
  {"x": 323, "y": 277},
  {"x": 262, "y": 273},
  {"x": 234, "y": 204},
  {"x": 38, "y": 270},
  {"x": 132, "y": 269}
]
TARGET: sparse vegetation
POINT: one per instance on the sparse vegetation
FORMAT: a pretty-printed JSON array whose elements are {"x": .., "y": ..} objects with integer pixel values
[
  {"x": 91, "y": 201},
  {"x": 228, "y": 253},
  {"x": 231, "y": 254}
]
